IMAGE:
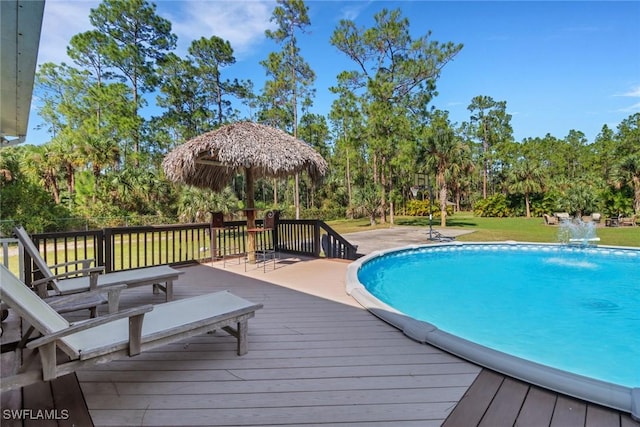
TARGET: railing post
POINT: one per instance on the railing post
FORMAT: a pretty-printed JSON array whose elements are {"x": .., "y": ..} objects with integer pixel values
[
  {"x": 316, "y": 238},
  {"x": 274, "y": 229},
  {"x": 107, "y": 235},
  {"x": 99, "y": 243},
  {"x": 275, "y": 236},
  {"x": 5, "y": 255},
  {"x": 28, "y": 270}
]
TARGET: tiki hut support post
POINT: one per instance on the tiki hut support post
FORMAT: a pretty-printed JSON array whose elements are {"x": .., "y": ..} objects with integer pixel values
[{"x": 251, "y": 216}]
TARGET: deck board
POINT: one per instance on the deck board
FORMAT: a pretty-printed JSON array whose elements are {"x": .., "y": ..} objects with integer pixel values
[
  {"x": 598, "y": 416},
  {"x": 38, "y": 397},
  {"x": 474, "y": 404},
  {"x": 315, "y": 358},
  {"x": 506, "y": 404},
  {"x": 493, "y": 399},
  {"x": 68, "y": 396},
  {"x": 568, "y": 411},
  {"x": 537, "y": 408}
]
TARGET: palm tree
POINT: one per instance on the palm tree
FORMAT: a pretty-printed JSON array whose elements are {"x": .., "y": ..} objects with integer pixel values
[
  {"x": 627, "y": 171},
  {"x": 446, "y": 154},
  {"x": 100, "y": 153},
  {"x": 44, "y": 163},
  {"x": 526, "y": 178},
  {"x": 367, "y": 199},
  {"x": 195, "y": 204},
  {"x": 70, "y": 159}
]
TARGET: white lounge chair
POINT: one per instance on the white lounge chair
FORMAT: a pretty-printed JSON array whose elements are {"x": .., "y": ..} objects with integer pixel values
[
  {"x": 117, "y": 335},
  {"x": 550, "y": 220},
  {"x": 64, "y": 285},
  {"x": 562, "y": 216}
]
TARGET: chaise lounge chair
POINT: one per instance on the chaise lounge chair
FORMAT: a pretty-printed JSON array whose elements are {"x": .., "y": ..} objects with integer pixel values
[
  {"x": 550, "y": 220},
  {"x": 122, "y": 334},
  {"x": 64, "y": 285},
  {"x": 627, "y": 221},
  {"x": 562, "y": 216}
]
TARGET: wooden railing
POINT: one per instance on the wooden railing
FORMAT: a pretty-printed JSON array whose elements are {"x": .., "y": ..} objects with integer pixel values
[
  {"x": 135, "y": 247},
  {"x": 12, "y": 249},
  {"x": 336, "y": 246},
  {"x": 123, "y": 248}
]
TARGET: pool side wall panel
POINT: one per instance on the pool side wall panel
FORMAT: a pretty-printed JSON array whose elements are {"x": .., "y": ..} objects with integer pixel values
[{"x": 589, "y": 389}]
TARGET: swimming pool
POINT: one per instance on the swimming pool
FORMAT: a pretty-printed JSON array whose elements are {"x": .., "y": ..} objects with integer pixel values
[{"x": 562, "y": 317}]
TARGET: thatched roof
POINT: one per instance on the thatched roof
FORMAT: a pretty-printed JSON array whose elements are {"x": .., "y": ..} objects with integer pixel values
[{"x": 212, "y": 159}]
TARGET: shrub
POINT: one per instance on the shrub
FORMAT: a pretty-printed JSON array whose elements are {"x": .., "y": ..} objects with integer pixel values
[
  {"x": 421, "y": 208},
  {"x": 493, "y": 206}
]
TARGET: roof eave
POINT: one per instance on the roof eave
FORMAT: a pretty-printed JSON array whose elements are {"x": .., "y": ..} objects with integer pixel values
[{"x": 21, "y": 25}]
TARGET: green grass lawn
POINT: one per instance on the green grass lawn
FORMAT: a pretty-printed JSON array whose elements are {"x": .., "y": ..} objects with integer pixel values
[{"x": 498, "y": 229}]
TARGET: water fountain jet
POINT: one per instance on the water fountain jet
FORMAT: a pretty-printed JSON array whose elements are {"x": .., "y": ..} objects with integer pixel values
[{"x": 577, "y": 232}]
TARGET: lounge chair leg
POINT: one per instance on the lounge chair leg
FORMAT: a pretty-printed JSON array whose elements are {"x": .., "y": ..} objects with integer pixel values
[
  {"x": 135, "y": 334},
  {"x": 48, "y": 360},
  {"x": 113, "y": 298},
  {"x": 169, "y": 290},
  {"x": 25, "y": 337},
  {"x": 243, "y": 345}
]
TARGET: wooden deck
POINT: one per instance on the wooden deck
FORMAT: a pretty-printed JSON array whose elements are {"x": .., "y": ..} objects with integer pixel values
[
  {"x": 315, "y": 358},
  {"x": 494, "y": 400}
]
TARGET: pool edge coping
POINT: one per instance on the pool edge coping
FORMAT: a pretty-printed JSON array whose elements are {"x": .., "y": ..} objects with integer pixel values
[{"x": 612, "y": 395}]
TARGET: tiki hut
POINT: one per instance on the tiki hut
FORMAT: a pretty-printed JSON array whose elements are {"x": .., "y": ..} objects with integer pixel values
[{"x": 212, "y": 159}]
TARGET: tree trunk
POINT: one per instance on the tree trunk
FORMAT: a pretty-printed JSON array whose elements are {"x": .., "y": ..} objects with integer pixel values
[
  {"x": 136, "y": 131},
  {"x": 383, "y": 184},
  {"x": 636, "y": 194},
  {"x": 443, "y": 205},
  {"x": 71, "y": 182},
  {"x": 485, "y": 149},
  {"x": 297, "y": 195},
  {"x": 51, "y": 183},
  {"x": 348, "y": 179},
  {"x": 275, "y": 192}
]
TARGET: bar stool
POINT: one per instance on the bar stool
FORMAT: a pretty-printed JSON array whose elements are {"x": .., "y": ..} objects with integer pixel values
[
  {"x": 266, "y": 254},
  {"x": 225, "y": 252}
]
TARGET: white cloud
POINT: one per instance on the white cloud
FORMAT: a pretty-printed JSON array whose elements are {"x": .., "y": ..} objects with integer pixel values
[
  {"x": 632, "y": 108},
  {"x": 352, "y": 10},
  {"x": 242, "y": 23},
  {"x": 634, "y": 92},
  {"x": 62, "y": 20}
]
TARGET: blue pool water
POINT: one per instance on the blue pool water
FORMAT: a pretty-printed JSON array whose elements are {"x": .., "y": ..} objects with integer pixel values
[{"x": 575, "y": 309}]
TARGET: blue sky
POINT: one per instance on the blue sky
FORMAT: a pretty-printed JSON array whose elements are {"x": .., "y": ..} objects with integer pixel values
[{"x": 558, "y": 65}]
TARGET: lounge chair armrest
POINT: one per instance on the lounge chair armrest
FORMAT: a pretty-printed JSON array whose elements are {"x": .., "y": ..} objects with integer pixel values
[
  {"x": 66, "y": 274},
  {"x": 70, "y": 300},
  {"x": 88, "y": 324},
  {"x": 86, "y": 263},
  {"x": 92, "y": 272}
]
